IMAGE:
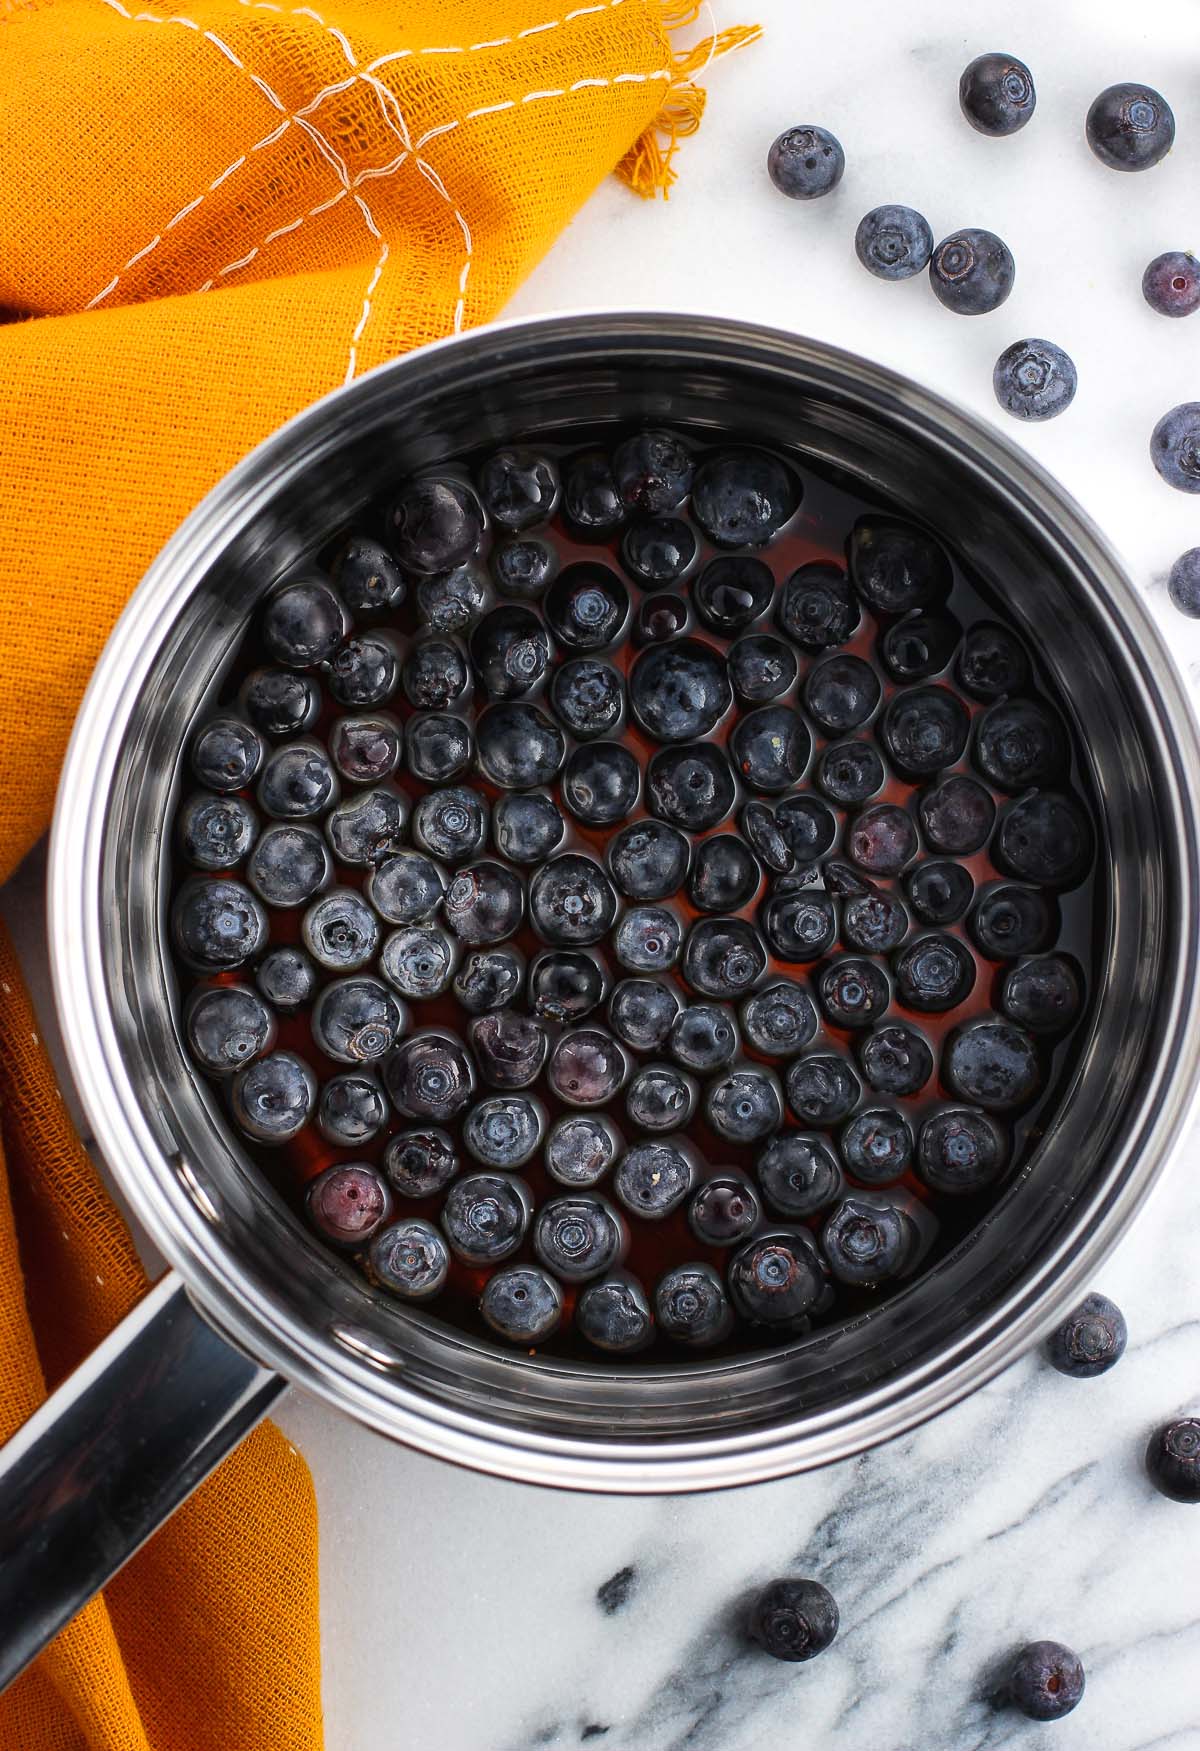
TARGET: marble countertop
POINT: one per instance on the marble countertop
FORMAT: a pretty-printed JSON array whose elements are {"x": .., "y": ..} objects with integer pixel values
[{"x": 468, "y": 1614}]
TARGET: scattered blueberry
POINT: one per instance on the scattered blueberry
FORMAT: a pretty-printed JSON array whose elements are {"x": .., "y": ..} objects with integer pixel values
[
  {"x": 1183, "y": 584},
  {"x": 972, "y": 272},
  {"x": 1173, "y": 1460},
  {"x": 1091, "y": 1340},
  {"x": 1045, "y": 1681},
  {"x": 1034, "y": 380},
  {"x": 1130, "y": 127},
  {"x": 794, "y": 1620},
  {"x": 1175, "y": 447},
  {"x": 996, "y": 94},
  {"x": 805, "y": 162},
  {"x": 893, "y": 243},
  {"x": 1171, "y": 283}
]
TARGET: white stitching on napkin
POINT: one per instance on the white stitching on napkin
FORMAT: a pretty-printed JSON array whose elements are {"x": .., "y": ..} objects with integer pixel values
[
  {"x": 489, "y": 109},
  {"x": 498, "y": 42}
]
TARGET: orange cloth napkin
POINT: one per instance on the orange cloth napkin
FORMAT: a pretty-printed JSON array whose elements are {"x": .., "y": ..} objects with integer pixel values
[{"x": 215, "y": 215}]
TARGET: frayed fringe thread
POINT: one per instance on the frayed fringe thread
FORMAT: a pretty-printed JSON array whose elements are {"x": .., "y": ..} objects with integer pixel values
[{"x": 647, "y": 167}]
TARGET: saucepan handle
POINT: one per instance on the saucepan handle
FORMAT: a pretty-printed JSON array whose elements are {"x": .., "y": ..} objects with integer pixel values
[{"x": 125, "y": 1439}]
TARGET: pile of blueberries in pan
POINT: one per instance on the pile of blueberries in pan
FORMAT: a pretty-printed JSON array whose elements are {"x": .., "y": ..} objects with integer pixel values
[
  {"x": 1129, "y": 127},
  {"x": 623, "y": 921}
]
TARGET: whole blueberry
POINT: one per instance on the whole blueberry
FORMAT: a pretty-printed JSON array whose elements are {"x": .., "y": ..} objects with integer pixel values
[
  {"x": 566, "y": 985},
  {"x": 732, "y": 591},
  {"x": 601, "y": 783},
  {"x": 615, "y": 1315},
  {"x": 648, "y": 860},
  {"x": 866, "y": 1239},
  {"x": 527, "y": 827},
  {"x": 725, "y": 1210},
  {"x": 799, "y": 923},
  {"x": 779, "y": 1280},
  {"x": 653, "y": 471},
  {"x": 410, "y": 1259},
  {"x": 940, "y": 892},
  {"x": 364, "y": 670},
  {"x": 1045, "y": 837},
  {"x": 1009, "y": 921},
  {"x": 504, "y": 1130},
  {"x": 519, "y": 488},
  {"x": 877, "y": 1146},
  {"x": 347, "y": 1204},
  {"x": 956, "y": 816},
  {"x": 641, "y": 1012},
  {"x": 1044, "y": 995},
  {"x": 805, "y": 162},
  {"x": 691, "y": 1306},
  {"x": 808, "y": 825},
  {"x": 588, "y": 696},
  {"x": 960, "y": 1151},
  {"x": 522, "y": 1304},
  {"x": 510, "y": 1049},
  {"x": 587, "y": 1067},
  {"x": 510, "y": 650},
  {"x": 652, "y": 1179},
  {"x": 762, "y": 832},
  {"x": 934, "y": 973},
  {"x": 724, "y": 875},
  {"x": 874, "y": 922},
  {"x": 1171, "y": 284},
  {"x": 1034, "y": 380},
  {"x": 280, "y": 703},
  {"x": 367, "y": 828},
  {"x": 580, "y": 1149},
  {"x": 920, "y": 645},
  {"x": 794, "y": 1620},
  {"x": 883, "y": 840},
  {"x": 287, "y": 979},
  {"x": 228, "y": 1026},
  {"x": 1045, "y": 1681},
  {"x": 352, "y": 1109},
  {"x": 226, "y": 754},
  {"x": 434, "y": 673},
  {"x": 453, "y": 601},
  {"x": 434, "y": 524},
  {"x": 822, "y": 1090},
  {"x": 366, "y": 750},
  {"x": 818, "y": 607},
  {"x": 1173, "y": 1460},
  {"x": 799, "y": 1175},
  {"x": 780, "y": 1019},
  {"x": 660, "y": 1098},
  {"x": 742, "y": 498},
  {"x": 761, "y": 667},
  {"x": 660, "y": 618},
  {"x": 744, "y": 1105},
  {"x": 679, "y": 691},
  {"x": 297, "y": 782},
  {"x": 340, "y": 931},
  {"x": 484, "y": 904},
  {"x": 405, "y": 889},
  {"x": 854, "y": 992},
  {"x": 571, "y": 901},
  {"x": 996, "y": 94},
  {"x": 419, "y": 1164},
  {"x": 303, "y": 624},
  {"x": 1091, "y": 1340},
  {"x": 368, "y": 579},
  {"x": 657, "y": 550},
  {"x": 1183, "y": 583},
  {"x": 451, "y": 823},
  {"x": 896, "y": 566},
  {"x": 724, "y": 957},
  {"x": 1175, "y": 447},
  {"x": 523, "y": 569},
  {"x": 841, "y": 693},
  {"x": 648, "y": 939},
  {"x": 578, "y": 1237},
  {"x": 992, "y": 662},
  {"x": 490, "y": 979},
  {"x": 925, "y": 729},
  {"x": 519, "y": 747},
  {"x": 703, "y": 1037},
  {"x": 992, "y": 1064},
  {"x": 357, "y": 1020},
  {"x": 691, "y": 787},
  {"x": 1130, "y": 127},
  {"x": 216, "y": 832},
  {"x": 895, "y": 1059},
  {"x": 440, "y": 746},
  {"x": 770, "y": 748},
  {"x": 274, "y": 1097},
  {"x": 849, "y": 772},
  {"x": 586, "y": 606},
  {"x": 486, "y": 1216},
  {"x": 893, "y": 243},
  {"x": 217, "y": 925},
  {"x": 591, "y": 500},
  {"x": 972, "y": 272},
  {"x": 419, "y": 960},
  {"x": 429, "y": 1076}
]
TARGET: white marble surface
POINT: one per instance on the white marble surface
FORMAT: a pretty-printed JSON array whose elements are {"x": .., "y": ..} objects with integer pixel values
[{"x": 459, "y": 1613}]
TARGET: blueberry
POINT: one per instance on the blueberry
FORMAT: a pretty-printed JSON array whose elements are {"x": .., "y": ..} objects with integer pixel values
[
  {"x": 303, "y": 624},
  {"x": 779, "y": 1280},
  {"x": 660, "y": 1098},
  {"x": 522, "y": 1304},
  {"x": 854, "y": 993},
  {"x": 925, "y": 729},
  {"x": 454, "y": 601},
  {"x": 484, "y": 904},
  {"x": 519, "y": 488},
  {"x": 1130, "y": 127},
  {"x": 280, "y": 703},
  {"x": 486, "y": 1216},
  {"x": 877, "y": 1146},
  {"x": 504, "y": 1130},
  {"x": 510, "y": 1049},
  {"x": 434, "y": 524},
  {"x": 742, "y": 498},
  {"x": 511, "y": 652},
  {"x": 348, "y": 1204},
  {"x": 340, "y": 931},
  {"x": 919, "y": 646},
  {"x": 760, "y": 667},
  {"x": 652, "y": 1179},
  {"x": 587, "y": 1067},
  {"x": 287, "y": 979},
  {"x": 274, "y": 1097},
  {"x": 794, "y": 1620},
  {"x": 1090, "y": 1341},
  {"x": 406, "y": 889},
  {"x": 578, "y": 1237},
  {"x": 591, "y": 500},
  {"x": 658, "y": 550},
  {"x": 429, "y": 1076},
  {"x": 841, "y": 693},
  {"x": 648, "y": 860},
  {"x": 703, "y": 1037},
  {"x": 960, "y": 1151},
  {"x": 519, "y": 747},
  {"x": 1009, "y": 921},
  {"x": 691, "y": 787},
  {"x": 409, "y": 1259},
  {"x": 992, "y": 662},
  {"x": 996, "y": 94},
  {"x": 566, "y": 985},
  {"x": 451, "y": 823},
  {"x": 874, "y": 923},
  {"x": 1171, "y": 284},
  {"x": 725, "y": 1210},
  {"x": 297, "y": 782},
  {"x": 653, "y": 472},
  {"x": 940, "y": 892},
  {"x": 762, "y": 831},
  {"x": 365, "y": 670},
  {"x": 588, "y": 696},
  {"x": 818, "y": 607},
  {"x": 895, "y": 1059},
  {"x": 660, "y": 618},
  {"x": 366, "y": 750},
  {"x": 744, "y": 1105},
  {"x": 679, "y": 691},
  {"x": 527, "y": 827},
  {"x": 1045, "y": 1681},
  {"x": 798, "y": 922},
  {"x": 866, "y": 1239},
  {"x": 691, "y": 1306},
  {"x": 957, "y": 816},
  {"x": 771, "y": 748},
  {"x": 799, "y": 1175},
  {"x": 216, "y": 832},
  {"x": 419, "y": 960},
  {"x": 993, "y": 1064},
  {"x": 366, "y": 829},
  {"x": 419, "y": 1164},
  {"x": 808, "y": 825},
  {"x": 1046, "y": 838},
  {"x": 648, "y": 939},
  {"x": 883, "y": 840},
  {"x": 434, "y": 673},
  {"x": 893, "y": 243},
  {"x": 1034, "y": 380},
  {"x": 724, "y": 875},
  {"x": 357, "y": 1020},
  {"x": 228, "y": 1026},
  {"x": 217, "y": 925},
  {"x": 601, "y": 783},
  {"x": 352, "y": 1109},
  {"x": 1175, "y": 447},
  {"x": 489, "y": 980},
  {"x": 523, "y": 569},
  {"x": 1173, "y": 1460},
  {"x": 896, "y": 567},
  {"x": 440, "y": 746},
  {"x": 1045, "y": 996},
  {"x": 844, "y": 881},
  {"x": 615, "y": 1315},
  {"x": 733, "y": 591},
  {"x": 641, "y": 1012},
  {"x": 806, "y": 162},
  {"x": 1183, "y": 584},
  {"x": 368, "y": 578},
  {"x": 724, "y": 957},
  {"x": 822, "y": 1090},
  {"x": 580, "y": 1149},
  {"x": 226, "y": 754},
  {"x": 849, "y": 772},
  {"x": 571, "y": 901},
  {"x": 779, "y": 1019},
  {"x": 972, "y": 272},
  {"x": 935, "y": 973},
  {"x": 586, "y": 606}
]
